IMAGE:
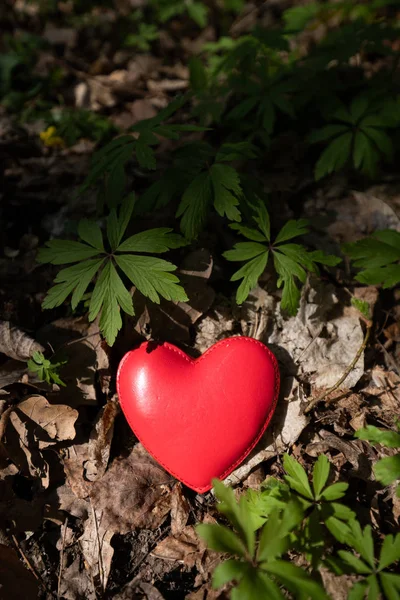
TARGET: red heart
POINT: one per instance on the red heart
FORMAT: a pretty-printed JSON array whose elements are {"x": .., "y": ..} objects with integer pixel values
[{"x": 199, "y": 418}]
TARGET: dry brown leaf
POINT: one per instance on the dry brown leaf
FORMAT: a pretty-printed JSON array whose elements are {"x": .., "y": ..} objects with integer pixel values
[
  {"x": 76, "y": 582},
  {"x": 183, "y": 549},
  {"x": 73, "y": 463},
  {"x": 180, "y": 510},
  {"x": 16, "y": 344},
  {"x": 96, "y": 547},
  {"x": 100, "y": 441},
  {"x": 52, "y": 422},
  {"x": 140, "y": 492},
  {"x": 16, "y": 581},
  {"x": 139, "y": 590}
]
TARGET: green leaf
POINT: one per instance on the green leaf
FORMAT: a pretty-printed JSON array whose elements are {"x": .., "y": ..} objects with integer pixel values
[
  {"x": 327, "y": 132},
  {"x": 335, "y": 491},
  {"x": 387, "y": 469},
  {"x": 198, "y": 12},
  {"x": 363, "y": 542},
  {"x": 250, "y": 272},
  {"x": 61, "y": 252},
  {"x": 320, "y": 475},
  {"x": 358, "y": 591},
  {"x": 194, "y": 205},
  {"x": 125, "y": 214},
  {"x": 113, "y": 231},
  {"x": 221, "y": 539},
  {"x": 387, "y": 276},
  {"x": 334, "y": 156},
  {"x": 297, "y": 477},
  {"x": 244, "y": 251},
  {"x": 274, "y": 539},
  {"x": 152, "y": 277},
  {"x": 374, "y": 591},
  {"x": 261, "y": 217},
  {"x": 227, "y": 571},
  {"x": 226, "y": 183},
  {"x": 355, "y": 563},
  {"x": 108, "y": 295},
  {"x": 359, "y": 107},
  {"x": 290, "y": 296},
  {"x": 145, "y": 155},
  {"x": 197, "y": 74},
  {"x": 292, "y": 229},
  {"x": 362, "y": 306},
  {"x": 381, "y": 140},
  {"x": 249, "y": 233},
  {"x": 235, "y": 512},
  {"x": 390, "y": 551},
  {"x": 155, "y": 241},
  {"x": 287, "y": 267},
  {"x": 338, "y": 529},
  {"x": 295, "y": 579},
  {"x": 90, "y": 232},
  {"x": 360, "y": 149},
  {"x": 391, "y": 585},
  {"x": 370, "y": 252},
  {"x": 235, "y": 151},
  {"x": 386, "y": 437},
  {"x": 73, "y": 280},
  {"x": 255, "y": 585}
]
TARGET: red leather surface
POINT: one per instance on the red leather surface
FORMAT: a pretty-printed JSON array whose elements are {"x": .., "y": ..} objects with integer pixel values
[{"x": 199, "y": 418}]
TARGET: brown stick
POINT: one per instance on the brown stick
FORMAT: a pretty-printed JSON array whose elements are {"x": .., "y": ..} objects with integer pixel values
[{"x": 339, "y": 382}]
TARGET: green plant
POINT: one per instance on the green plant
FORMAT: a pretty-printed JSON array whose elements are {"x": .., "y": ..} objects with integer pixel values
[
  {"x": 101, "y": 259},
  {"x": 370, "y": 566},
  {"x": 378, "y": 257},
  {"x": 45, "y": 369},
  {"x": 73, "y": 124},
  {"x": 271, "y": 527},
  {"x": 357, "y": 132},
  {"x": 387, "y": 470},
  {"x": 258, "y": 568},
  {"x": 167, "y": 9},
  {"x": 291, "y": 261}
]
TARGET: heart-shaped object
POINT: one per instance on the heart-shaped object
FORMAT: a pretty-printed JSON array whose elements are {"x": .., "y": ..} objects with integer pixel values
[{"x": 199, "y": 418}]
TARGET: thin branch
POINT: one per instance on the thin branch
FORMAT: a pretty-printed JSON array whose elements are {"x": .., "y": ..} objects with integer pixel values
[{"x": 339, "y": 382}]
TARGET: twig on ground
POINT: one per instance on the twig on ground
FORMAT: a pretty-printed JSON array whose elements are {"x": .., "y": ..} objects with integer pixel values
[
  {"x": 64, "y": 531},
  {"x": 24, "y": 557},
  {"x": 339, "y": 382}
]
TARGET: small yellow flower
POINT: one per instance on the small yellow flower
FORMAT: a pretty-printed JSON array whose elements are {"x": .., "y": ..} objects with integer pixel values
[{"x": 50, "y": 139}]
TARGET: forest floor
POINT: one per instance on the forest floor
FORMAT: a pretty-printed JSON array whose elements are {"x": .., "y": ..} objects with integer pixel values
[{"x": 85, "y": 510}]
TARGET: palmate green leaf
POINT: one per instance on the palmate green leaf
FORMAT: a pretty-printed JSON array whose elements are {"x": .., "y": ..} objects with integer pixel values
[
  {"x": 90, "y": 232},
  {"x": 371, "y": 252},
  {"x": 338, "y": 528},
  {"x": 227, "y": 571},
  {"x": 245, "y": 251},
  {"x": 152, "y": 277},
  {"x": 386, "y": 437},
  {"x": 288, "y": 268},
  {"x": 297, "y": 477},
  {"x": 362, "y": 542},
  {"x": 290, "y": 296},
  {"x": 387, "y": 469},
  {"x": 390, "y": 551},
  {"x": 226, "y": 186},
  {"x": 380, "y": 139},
  {"x": 194, "y": 205},
  {"x": 250, "y": 273},
  {"x": 292, "y": 229},
  {"x": 334, "y": 491},
  {"x": 334, "y": 156},
  {"x": 296, "y": 579},
  {"x": 235, "y": 151},
  {"x": 320, "y": 475},
  {"x": 326, "y": 133},
  {"x": 108, "y": 295},
  {"x": 236, "y": 513},
  {"x": 75, "y": 280},
  {"x": 152, "y": 240},
  {"x": 61, "y": 252},
  {"x": 255, "y": 585},
  {"x": 145, "y": 155},
  {"x": 356, "y": 564},
  {"x": 221, "y": 539},
  {"x": 386, "y": 276},
  {"x": 390, "y": 584},
  {"x": 358, "y": 591},
  {"x": 261, "y": 217},
  {"x": 249, "y": 233}
]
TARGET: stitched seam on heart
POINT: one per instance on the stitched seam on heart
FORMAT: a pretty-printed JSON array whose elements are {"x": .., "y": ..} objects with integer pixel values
[{"x": 194, "y": 362}]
